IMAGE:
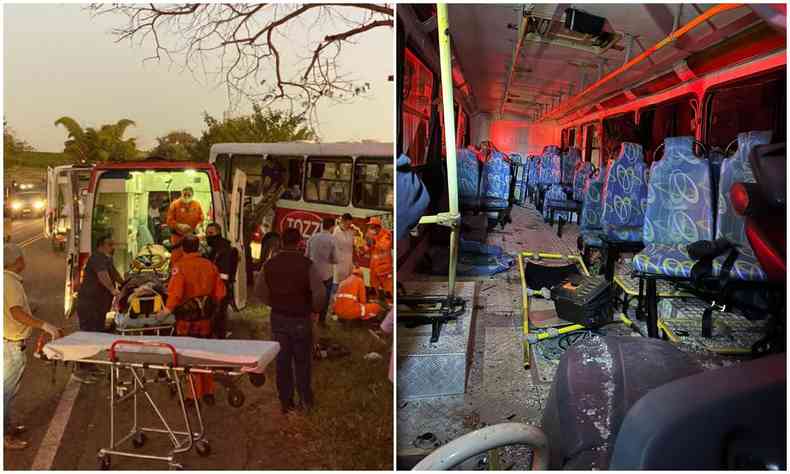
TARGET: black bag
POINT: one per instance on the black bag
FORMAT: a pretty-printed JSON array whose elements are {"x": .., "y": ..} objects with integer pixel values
[{"x": 583, "y": 300}]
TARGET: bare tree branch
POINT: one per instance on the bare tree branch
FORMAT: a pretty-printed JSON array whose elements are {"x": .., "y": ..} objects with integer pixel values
[{"x": 240, "y": 46}]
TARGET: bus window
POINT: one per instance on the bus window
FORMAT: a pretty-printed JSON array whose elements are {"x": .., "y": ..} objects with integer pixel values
[
  {"x": 252, "y": 165},
  {"x": 222, "y": 163},
  {"x": 373, "y": 184},
  {"x": 670, "y": 119},
  {"x": 616, "y": 130},
  {"x": 572, "y": 137},
  {"x": 753, "y": 104},
  {"x": 295, "y": 167},
  {"x": 328, "y": 181},
  {"x": 592, "y": 145},
  {"x": 417, "y": 93}
]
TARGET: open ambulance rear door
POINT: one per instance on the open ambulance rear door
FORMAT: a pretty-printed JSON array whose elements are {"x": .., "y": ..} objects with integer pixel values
[
  {"x": 236, "y": 236},
  {"x": 52, "y": 202},
  {"x": 71, "y": 201}
]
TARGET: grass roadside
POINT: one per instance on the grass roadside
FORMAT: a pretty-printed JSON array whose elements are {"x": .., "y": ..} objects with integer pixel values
[{"x": 350, "y": 427}]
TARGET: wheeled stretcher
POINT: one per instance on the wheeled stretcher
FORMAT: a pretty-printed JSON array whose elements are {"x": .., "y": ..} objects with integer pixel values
[{"x": 178, "y": 357}]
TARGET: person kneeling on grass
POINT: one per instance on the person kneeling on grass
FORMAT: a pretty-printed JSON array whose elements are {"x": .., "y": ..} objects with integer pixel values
[{"x": 351, "y": 299}]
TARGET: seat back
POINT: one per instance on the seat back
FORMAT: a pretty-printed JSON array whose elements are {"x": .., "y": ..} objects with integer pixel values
[
  {"x": 551, "y": 169},
  {"x": 555, "y": 193},
  {"x": 468, "y": 176},
  {"x": 534, "y": 170},
  {"x": 580, "y": 178},
  {"x": 591, "y": 203},
  {"x": 495, "y": 177},
  {"x": 570, "y": 160},
  {"x": 679, "y": 198},
  {"x": 625, "y": 195},
  {"x": 727, "y": 418},
  {"x": 736, "y": 169}
]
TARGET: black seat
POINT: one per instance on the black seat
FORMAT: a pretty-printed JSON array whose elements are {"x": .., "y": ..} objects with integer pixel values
[
  {"x": 639, "y": 403},
  {"x": 597, "y": 382}
]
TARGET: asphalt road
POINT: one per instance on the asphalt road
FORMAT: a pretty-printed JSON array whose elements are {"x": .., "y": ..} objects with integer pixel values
[{"x": 66, "y": 435}]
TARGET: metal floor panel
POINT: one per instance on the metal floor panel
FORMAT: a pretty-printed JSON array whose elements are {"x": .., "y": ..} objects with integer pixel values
[{"x": 433, "y": 375}]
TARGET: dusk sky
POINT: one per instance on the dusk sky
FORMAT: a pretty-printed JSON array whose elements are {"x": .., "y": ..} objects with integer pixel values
[{"x": 59, "y": 60}]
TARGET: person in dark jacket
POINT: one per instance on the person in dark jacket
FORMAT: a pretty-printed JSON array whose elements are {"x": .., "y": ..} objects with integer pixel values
[
  {"x": 290, "y": 284},
  {"x": 96, "y": 295},
  {"x": 226, "y": 258}
]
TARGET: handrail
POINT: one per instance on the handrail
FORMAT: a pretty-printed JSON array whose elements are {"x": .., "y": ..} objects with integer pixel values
[
  {"x": 452, "y": 218},
  {"x": 703, "y": 17},
  {"x": 485, "y": 439}
]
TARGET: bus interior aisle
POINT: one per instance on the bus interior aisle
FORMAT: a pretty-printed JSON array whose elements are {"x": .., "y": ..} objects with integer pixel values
[{"x": 620, "y": 270}]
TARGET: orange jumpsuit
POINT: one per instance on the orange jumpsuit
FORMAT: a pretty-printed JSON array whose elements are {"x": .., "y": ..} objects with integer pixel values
[
  {"x": 381, "y": 261},
  {"x": 180, "y": 212},
  {"x": 351, "y": 301},
  {"x": 192, "y": 277}
]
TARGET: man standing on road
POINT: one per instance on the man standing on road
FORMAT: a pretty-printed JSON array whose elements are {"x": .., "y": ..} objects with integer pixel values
[
  {"x": 226, "y": 258},
  {"x": 290, "y": 284},
  {"x": 321, "y": 251},
  {"x": 96, "y": 294},
  {"x": 194, "y": 291},
  {"x": 183, "y": 217},
  {"x": 18, "y": 322},
  {"x": 344, "y": 250}
]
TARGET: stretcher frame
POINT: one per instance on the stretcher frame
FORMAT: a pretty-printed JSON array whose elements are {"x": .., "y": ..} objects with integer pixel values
[
  {"x": 526, "y": 336},
  {"x": 122, "y": 391}
]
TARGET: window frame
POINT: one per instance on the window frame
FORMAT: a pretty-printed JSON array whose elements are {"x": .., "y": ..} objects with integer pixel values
[
  {"x": 366, "y": 160},
  {"x": 328, "y": 159}
]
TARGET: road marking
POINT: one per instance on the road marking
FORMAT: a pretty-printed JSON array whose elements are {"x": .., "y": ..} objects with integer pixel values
[
  {"x": 31, "y": 240},
  {"x": 45, "y": 455}
]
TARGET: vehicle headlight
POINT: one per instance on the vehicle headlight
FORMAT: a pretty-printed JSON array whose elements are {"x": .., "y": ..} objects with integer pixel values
[
  {"x": 16, "y": 205},
  {"x": 38, "y": 204}
]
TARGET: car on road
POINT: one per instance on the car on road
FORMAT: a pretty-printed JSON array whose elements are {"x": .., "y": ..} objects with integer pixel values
[{"x": 26, "y": 203}]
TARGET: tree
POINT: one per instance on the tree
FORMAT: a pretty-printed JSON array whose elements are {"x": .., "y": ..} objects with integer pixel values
[
  {"x": 177, "y": 145},
  {"x": 238, "y": 45},
  {"x": 262, "y": 126},
  {"x": 105, "y": 144},
  {"x": 11, "y": 144}
]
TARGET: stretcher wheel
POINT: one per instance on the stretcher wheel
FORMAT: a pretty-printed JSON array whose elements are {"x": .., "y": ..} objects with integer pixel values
[
  {"x": 257, "y": 380},
  {"x": 104, "y": 462},
  {"x": 203, "y": 448},
  {"x": 235, "y": 398},
  {"x": 139, "y": 439}
]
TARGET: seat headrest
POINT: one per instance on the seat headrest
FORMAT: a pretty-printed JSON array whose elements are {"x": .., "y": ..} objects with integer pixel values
[
  {"x": 678, "y": 145},
  {"x": 749, "y": 140},
  {"x": 631, "y": 151}
]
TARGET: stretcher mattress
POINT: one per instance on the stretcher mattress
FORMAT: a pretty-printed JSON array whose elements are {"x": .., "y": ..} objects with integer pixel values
[{"x": 248, "y": 356}]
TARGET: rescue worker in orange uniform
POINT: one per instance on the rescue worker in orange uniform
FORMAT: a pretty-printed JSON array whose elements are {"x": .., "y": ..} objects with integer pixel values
[
  {"x": 183, "y": 217},
  {"x": 193, "y": 293},
  {"x": 380, "y": 249},
  {"x": 351, "y": 300}
]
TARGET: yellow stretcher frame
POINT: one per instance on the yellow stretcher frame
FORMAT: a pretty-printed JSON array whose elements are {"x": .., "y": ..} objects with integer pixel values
[{"x": 525, "y": 297}]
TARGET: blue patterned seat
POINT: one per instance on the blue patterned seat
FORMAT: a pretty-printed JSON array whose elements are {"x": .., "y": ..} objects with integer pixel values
[
  {"x": 679, "y": 210},
  {"x": 625, "y": 195},
  {"x": 468, "y": 178},
  {"x": 590, "y": 223},
  {"x": 570, "y": 160},
  {"x": 495, "y": 185},
  {"x": 552, "y": 168},
  {"x": 729, "y": 224},
  {"x": 555, "y": 193},
  {"x": 579, "y": 179}
]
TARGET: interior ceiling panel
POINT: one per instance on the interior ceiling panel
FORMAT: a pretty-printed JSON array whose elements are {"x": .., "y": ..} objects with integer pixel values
[{"x": 484, "y": 37}]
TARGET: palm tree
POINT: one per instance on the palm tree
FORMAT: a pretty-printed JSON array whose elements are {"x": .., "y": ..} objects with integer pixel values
[{"x": 105, "y": 144}]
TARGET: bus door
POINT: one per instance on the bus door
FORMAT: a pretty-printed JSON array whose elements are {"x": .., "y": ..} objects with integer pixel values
[{"x": 236, "y": 235}]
